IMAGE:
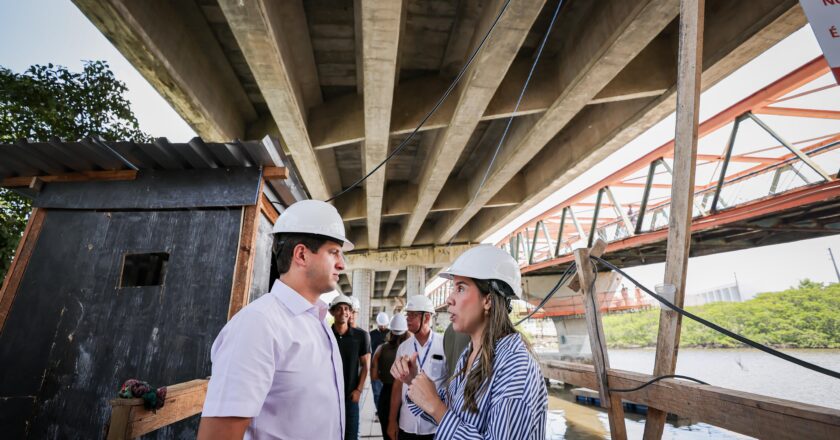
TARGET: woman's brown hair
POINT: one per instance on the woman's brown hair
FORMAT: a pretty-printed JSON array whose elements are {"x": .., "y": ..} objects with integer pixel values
[{"x": 497, "y": 326}]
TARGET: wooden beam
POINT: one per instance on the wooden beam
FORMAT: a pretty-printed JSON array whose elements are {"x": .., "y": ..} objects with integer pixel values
[
  {"x": 268, "y": 209},
  {"x": 173, "y": 47},
  {"x": 24, "y": 250},
  {"x": 246, "y": 252},
  {"x": 590, "y": 60},
  {"x": 598, "y": 344},
  {"x": 742, "y": 32},
  {"x": 259, "y": 30},
  {"x": 689, "y": 69},
  {"x": 399, "y": 259},
  {"x": 129, "y": 419},
  {"x": 745, "y": 413},
  {"x": 473, "y": 94},
  {"x": 85, "y": 176},
  {"x": 381, "y": 24},
  {"x": 275, "y": 173}
]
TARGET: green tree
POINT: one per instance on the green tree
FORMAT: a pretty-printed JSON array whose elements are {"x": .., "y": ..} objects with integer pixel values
[{"x": 47, "y": 102}]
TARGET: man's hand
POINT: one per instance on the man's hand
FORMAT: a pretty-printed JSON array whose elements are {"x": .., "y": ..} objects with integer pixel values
[
  {"x": 355, "y": 396},
  {"x": 424, "y": 394},
  {"x": 405, "y": 368}
]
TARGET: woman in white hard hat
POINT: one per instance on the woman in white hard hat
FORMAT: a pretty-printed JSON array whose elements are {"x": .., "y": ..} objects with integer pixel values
[
  {"x": 383, "y": 359},
  {"x": 497, "y": 390}
]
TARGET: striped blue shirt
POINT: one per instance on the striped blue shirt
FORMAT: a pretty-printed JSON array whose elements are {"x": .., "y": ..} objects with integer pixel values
[{"x": 513, "y": 408}]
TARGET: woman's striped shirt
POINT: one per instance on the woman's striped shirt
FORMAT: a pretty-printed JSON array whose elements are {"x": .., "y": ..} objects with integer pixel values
[{"x": 513, "y": 408}]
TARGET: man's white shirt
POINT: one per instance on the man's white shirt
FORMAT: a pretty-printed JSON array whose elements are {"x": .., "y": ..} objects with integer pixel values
[
  {"x": 277, "y": 361},
  {"x": 434, "y": 366}
]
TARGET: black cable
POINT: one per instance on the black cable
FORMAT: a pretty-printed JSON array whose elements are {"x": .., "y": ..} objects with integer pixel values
[
  {"x": 432, "y": 111},
  {"x": 602, "y": 344},
  {"x": 654, "y": 380},
  {"x": 569, "y": 270},
  {"x": 720, "y": 329}
]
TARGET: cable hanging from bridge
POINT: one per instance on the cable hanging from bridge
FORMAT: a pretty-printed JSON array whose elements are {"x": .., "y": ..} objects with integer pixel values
[
  {"x": 718, "y": 328},
  {"x": 433, "y": 110}
]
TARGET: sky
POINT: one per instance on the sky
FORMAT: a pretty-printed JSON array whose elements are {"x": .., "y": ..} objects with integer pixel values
[{"x": 57, "y": 32}]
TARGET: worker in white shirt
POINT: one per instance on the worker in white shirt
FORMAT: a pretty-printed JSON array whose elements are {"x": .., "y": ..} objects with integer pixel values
[
  {"x": 423, "y": 351},
  {"x": 277, "y": 371}
]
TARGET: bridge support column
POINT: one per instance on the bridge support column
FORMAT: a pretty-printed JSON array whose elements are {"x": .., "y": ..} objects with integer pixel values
[
  {"x": 572, "y": 338},
  {"x": 363, "y": 291},
  {"x": 415, "y": 282}
]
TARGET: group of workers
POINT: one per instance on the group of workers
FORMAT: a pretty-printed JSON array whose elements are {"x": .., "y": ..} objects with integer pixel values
[{"x": 280, "y": 371}]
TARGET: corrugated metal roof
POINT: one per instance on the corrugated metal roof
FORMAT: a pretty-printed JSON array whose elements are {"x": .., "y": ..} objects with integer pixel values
[{"x": 61, "y": 157}]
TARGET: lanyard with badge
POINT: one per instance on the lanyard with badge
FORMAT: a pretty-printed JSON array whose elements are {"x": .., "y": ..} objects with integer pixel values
[{"x": 425, "y": 356}]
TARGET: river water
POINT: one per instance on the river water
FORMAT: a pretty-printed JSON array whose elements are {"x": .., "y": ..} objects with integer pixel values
[{"x": 739, "y": 369}]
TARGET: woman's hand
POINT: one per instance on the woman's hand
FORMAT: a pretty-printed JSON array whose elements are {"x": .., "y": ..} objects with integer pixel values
[
  {"x": 424, "y": 394},
  {"x": 404, "y": 368}
]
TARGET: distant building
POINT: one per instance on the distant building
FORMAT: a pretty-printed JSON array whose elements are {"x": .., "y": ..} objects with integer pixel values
[{"x": 727, "y": 293}]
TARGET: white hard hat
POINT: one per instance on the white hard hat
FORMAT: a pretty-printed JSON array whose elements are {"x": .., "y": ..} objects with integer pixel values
[
  {"x": 312, "y": 217},
  {"x": 419, "y": 303},
  {"x": 487, "y": 262},
  {"x": 341, "y": 299},
  {"x": 382, "y": 319},
  {"x": 399, "y": 324},
  {"x": 355, "y": 303}
]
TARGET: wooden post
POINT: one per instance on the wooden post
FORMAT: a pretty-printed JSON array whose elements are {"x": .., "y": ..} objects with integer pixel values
[
  {"x": 244, "y": 268},
  {"x": 15, "y": 274},
  {"x": 689, "y": 68},
  {"x": 598, "y": 343}
]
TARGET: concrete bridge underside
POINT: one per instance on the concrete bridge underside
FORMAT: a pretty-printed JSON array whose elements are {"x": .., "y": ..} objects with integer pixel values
[{"x": 341, "y": 83}]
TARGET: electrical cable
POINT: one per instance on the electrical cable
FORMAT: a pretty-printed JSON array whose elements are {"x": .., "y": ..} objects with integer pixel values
[
  {"x": 519, "y": 99},
  {"x": 524, "y": 89},
  {"x": 654, "y": 380},
  {"x": 713, "y": 326},
  {"x": 433, "y": 110},
  {"x": 569, "y": 270},
  {"x": 601, "y": 343}
]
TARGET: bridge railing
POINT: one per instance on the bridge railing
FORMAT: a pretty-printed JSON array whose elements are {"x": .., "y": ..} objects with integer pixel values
[{"x": 734, "y": 177}]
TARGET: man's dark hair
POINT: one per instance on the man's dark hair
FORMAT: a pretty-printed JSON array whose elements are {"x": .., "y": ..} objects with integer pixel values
[{"x": 284, "y": 245}]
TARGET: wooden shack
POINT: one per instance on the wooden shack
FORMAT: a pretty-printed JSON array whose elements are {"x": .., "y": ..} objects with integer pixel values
[{"x": 134, "y": 257}]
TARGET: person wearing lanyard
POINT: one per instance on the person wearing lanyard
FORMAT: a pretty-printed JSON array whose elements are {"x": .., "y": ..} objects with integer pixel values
[
  {"x": 424, "y": 350},
  {"x": 497, "y": 390},
  {"x": 277, "y": 371},
  {"x": 380, "y": 368}
]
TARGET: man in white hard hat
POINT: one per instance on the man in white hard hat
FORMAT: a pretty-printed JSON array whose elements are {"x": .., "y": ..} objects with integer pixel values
[
  {"x": 422, "y": 351},
  {"x": 354, "y": 315},
  {"x": 354, "y": 346},
  {"x": 277, "y": 371},
  {"x": 377, "y": 337}
]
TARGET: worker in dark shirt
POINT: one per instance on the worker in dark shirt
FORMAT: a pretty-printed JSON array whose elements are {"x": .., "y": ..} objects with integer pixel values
[
  {"x": 377, "y": 337},
  {"x": 354, "y": 346},
  {"x": 380, "y": 368}
]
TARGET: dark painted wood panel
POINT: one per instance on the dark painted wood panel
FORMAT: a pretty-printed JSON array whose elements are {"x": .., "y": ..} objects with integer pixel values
[
  {"x": 73, "y": 336},
  {"x": 158, "y": 190}
]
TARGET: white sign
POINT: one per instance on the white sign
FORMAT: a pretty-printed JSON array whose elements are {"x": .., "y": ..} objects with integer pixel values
[{"x": 824, "y": 16}]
